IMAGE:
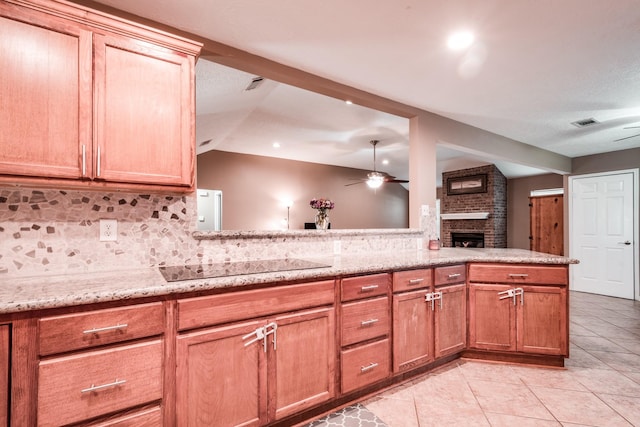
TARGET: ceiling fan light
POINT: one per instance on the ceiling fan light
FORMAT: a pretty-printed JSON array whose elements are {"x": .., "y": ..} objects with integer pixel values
[{"x": 375, "y": 181}]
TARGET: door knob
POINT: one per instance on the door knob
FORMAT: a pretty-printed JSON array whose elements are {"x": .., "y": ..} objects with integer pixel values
[{"x": 625, "y": 243}]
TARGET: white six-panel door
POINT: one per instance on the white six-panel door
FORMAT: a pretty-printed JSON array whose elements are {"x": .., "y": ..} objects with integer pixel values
[{"x": 603, "y": 216}]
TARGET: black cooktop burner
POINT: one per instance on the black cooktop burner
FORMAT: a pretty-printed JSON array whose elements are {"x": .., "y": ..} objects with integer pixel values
[{"x": 205, "y": 271}]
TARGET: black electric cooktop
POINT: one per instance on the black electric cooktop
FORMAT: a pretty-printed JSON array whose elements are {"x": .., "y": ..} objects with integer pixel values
[{"x": 205, "y": 271}]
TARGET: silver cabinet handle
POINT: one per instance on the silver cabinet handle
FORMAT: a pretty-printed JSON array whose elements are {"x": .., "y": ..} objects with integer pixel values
[
  {"x": 84, "y": 160},
  {"x": 116, "y": 383},
  {"x": 369, "y": 367},
  {"x": 98, "y": 161},
  {"x": 106, "y": 328},
  {"x": 518, "y": 275},
  {"x": 262, "y": 333},
  {"x": 369, "y": 322},
  {"x": 416, "y": 281},
  {"x": 369, "y": 288},
  {"x": 433, "y": 296},
  {"x": 454, "y": 275}
]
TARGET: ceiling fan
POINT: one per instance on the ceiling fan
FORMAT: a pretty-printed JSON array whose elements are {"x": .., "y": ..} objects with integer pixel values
[
  {"x": 375, "y": 178},
  {"x": 628, "y": 137}
]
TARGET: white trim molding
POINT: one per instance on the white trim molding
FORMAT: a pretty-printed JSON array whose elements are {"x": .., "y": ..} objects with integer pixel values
[{"x": 465, "y": 215}]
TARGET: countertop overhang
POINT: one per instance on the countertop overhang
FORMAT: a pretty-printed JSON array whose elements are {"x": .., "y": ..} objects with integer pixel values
[{"x": 20, "y": 294}]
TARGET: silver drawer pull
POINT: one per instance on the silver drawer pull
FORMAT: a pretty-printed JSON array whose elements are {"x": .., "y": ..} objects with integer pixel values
[
  {"x": 116, "y": 383},
  {"x": 415, "y": 281},
  {"x": 369, "y": 288},
  {"x": 369, "y": 367},
  {"x": 518, "y": 275},
  {"x": 454, "y": 275},
  {"x": 106, "y": 328},
  {"x": 369, "y": 322}
]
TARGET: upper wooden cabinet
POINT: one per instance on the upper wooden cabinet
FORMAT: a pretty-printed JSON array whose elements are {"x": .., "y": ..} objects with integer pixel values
[{"x": 94, "y": 101}]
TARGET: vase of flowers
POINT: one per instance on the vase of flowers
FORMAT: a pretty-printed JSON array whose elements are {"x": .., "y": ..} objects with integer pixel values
[{"x": 322, "y": 206}]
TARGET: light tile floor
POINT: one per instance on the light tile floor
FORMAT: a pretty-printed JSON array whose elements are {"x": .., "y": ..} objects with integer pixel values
[{"x": 600, "y": 385}]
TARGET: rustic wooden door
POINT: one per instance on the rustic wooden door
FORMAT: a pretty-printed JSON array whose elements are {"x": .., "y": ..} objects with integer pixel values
[{"x": 546, "y": 222}]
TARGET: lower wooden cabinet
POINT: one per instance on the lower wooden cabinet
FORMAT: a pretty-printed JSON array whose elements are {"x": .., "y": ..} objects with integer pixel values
[
  {"x": 264, "y": 356},
  {"x": 5, "y": 368},
  {"x": 365, "y": 364},
  {"x": 450, "y": 320},
  {"x": 529, "y": 319},
  {"x": 82, "y": 386},
  {"x": 412, "y": 330},
  {"x": 252, "y": 373},
  {"x": 150, "y": 417}
]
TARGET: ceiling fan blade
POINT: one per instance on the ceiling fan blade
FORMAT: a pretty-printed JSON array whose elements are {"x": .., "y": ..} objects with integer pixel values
[
  {"x": 626, "y": 137},
  {"x": 399, "y": 181},
  {"x": 631, "y": 127},
  {"x": 354, "y": 183}
]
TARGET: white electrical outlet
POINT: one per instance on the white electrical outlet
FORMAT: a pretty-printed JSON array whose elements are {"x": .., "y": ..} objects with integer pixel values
[
  {"x": 336, "y": 247},
  {"x": 424, "y": 210},
  {"x": 108, "y": 230}
]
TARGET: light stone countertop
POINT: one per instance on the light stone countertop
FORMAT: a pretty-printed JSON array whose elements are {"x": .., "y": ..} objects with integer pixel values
[{"x": 19, "y": 294}]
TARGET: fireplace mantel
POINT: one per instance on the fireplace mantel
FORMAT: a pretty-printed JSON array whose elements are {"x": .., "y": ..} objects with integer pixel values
[{"x": 465, "y": 215}]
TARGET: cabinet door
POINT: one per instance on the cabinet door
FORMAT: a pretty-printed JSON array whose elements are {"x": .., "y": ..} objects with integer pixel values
[
  {"x": 219, "y": 380},
  {"x": 4, "y": 375},
  {"x": 45, "y": 95},
  {"x": 302, "y": 362},
  {"x": 492, "y": 321},
  {"x": 450, "y": 320},
  {"x": 412, "y": 330},
  {"x": 143, "y": 114},
  {"x": 542, "y": 320}
]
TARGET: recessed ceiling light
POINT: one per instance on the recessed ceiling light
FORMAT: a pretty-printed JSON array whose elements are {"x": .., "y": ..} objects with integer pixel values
[
  {"x": 276, "y": 145},
  {"x": 460, "y": 40}
]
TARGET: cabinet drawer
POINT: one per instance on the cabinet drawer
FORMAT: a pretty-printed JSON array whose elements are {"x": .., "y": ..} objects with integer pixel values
[
  {"x": 451, "y": 274},
  {"x": 365, "y": 365},
  {"x": 151, "y": 417},
  {"x": 518, "y": 274},
  {"x": 412, "y": 279},
  {"x": 234, "y": 306},
  {"x": 364, "y": 286},
  {"x": 83, "y": 330},
  {"x": 82, "y": 386},
  {"x": 363, "y": 320}
]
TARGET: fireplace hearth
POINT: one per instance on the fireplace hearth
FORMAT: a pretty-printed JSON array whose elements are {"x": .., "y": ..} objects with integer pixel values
[{"x": 467, "y": 240}]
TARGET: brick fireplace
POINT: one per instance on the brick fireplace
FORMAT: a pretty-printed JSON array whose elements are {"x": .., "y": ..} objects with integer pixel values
[{"x": 478, "y": 198}]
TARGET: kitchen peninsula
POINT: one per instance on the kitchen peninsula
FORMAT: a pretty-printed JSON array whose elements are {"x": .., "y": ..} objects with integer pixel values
[{"x": 271, "y": 347}]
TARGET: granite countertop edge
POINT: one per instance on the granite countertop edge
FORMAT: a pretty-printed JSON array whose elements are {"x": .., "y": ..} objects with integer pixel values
[{"x": 22, "y": 294}]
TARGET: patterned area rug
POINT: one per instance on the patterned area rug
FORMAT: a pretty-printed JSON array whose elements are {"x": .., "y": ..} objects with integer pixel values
[{"x": 351, "y": 416}]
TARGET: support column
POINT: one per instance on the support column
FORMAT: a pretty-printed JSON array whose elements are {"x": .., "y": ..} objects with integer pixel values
[{"x": 422, "y": 175}]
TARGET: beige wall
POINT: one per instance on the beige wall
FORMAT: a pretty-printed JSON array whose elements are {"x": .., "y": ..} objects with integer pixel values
[
  {"x": 518, "y": 191},
  {"x": 255, "y": 189},
  {"x": 606, "y": 162}
]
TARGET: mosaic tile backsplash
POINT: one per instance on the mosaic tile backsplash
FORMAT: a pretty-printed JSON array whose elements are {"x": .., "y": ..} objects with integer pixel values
[{"x": 57, "y": 231}]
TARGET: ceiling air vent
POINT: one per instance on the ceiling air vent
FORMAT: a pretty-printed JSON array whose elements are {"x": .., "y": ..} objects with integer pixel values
[
  {"x": 255, "y": 82},
  {"x": 585, "y": 122},
  {"x": 203, "y": 143}
]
